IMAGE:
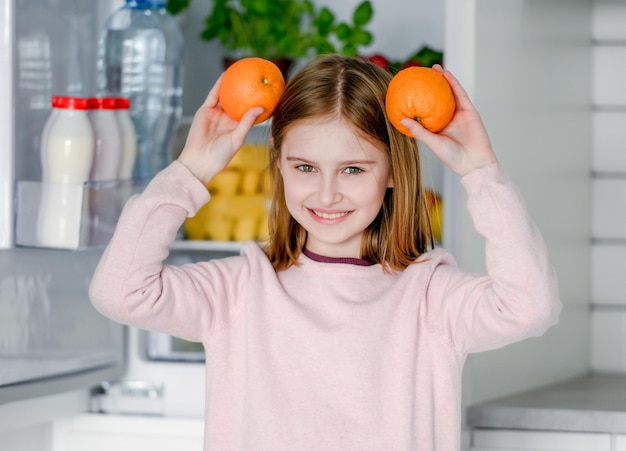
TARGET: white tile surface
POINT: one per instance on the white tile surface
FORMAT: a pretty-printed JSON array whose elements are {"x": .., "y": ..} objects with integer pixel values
[
  {"x": 608, "y": 340},
  {"x": 607, "y": 20},
  {"x": 608, "y": 208},
  {"x": 608, "y": 274},
  {"x": 609, "y": 76},
  {"x": 609, "y": 141}
]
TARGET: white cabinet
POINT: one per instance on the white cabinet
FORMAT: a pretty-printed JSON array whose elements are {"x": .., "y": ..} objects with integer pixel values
[
  {"x": 510, "y": 440},
  {"x": 619, "y": 443},
  {"x": 96, "y": 432}
]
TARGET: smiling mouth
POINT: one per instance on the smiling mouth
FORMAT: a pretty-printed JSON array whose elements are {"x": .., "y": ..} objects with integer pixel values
[{"x": 330, "y": 215}]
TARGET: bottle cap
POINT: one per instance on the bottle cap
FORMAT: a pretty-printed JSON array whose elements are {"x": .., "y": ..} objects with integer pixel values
[
  {"x": 102, "y": 103},
  {"x": 122, "y": 103},
  {"x": 73, "y": 103}
]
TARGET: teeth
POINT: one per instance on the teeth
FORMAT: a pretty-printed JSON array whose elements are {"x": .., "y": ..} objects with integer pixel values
[{"x": 330, "y": 215}]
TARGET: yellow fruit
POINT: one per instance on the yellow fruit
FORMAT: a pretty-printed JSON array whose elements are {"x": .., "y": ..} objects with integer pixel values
[
  {"x": 250, "y": 182},
  {"x": 246, "y": 228},
  {"x": 436, "y": 220},
  {"x": 251, "y": 156},
  {"x": 238, "y": 206},
  {"x": 225, "y": 183},
  {"x": 434, "y": 204},
  {"x": 218, "y": 228},
  {"x": 194, "y": 227}
]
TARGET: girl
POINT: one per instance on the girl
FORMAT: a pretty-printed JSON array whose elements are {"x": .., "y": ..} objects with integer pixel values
[{"x": 348, "y": 330}]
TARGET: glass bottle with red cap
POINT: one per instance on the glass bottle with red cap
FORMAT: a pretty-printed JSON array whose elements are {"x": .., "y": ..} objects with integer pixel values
[
  {"x": 67, "y": 153},
  {"x": 128, "y": 136},
  {"x": 67, "y": 145},
  {"x": 108, "y": 141}
]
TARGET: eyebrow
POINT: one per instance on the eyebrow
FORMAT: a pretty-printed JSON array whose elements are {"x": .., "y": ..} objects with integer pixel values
[{"x": 341, "y": 163}]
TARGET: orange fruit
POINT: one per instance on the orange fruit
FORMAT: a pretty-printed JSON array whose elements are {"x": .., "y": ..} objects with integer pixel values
[
  {"x": 420, "y": 93},
  {"x": 251, "y": 82}
]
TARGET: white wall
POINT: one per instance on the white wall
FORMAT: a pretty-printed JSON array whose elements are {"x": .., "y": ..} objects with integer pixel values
[
  {"x": 527, "y": 66},
  {"x": 608, "y": 318}
]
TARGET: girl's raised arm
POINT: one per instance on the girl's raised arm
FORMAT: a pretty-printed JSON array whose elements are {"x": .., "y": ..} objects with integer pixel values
[{"x": 464, "y": 144}]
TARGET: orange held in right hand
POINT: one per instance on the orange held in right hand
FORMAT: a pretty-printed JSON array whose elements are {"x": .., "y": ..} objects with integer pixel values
[
  {"x": 251, "y": 82},
  {"x": 422, "y": 94}
]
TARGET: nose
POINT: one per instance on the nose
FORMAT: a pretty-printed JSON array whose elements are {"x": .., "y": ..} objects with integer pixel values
[{"x": 329, "y": 191}]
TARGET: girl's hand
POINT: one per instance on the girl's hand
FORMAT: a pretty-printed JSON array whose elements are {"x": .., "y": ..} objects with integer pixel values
[
  {"x": 214, "y": 137},
  {"x": 463, "y": 145}
]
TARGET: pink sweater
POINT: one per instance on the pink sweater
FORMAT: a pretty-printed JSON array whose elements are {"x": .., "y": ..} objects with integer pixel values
[{"x": 330, "y": 356}]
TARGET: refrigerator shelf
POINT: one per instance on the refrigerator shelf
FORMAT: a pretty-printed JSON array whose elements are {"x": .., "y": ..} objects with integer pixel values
[{"x": 68, "y": 216}]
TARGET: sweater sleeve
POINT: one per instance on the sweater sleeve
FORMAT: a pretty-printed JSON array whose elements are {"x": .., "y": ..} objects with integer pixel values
[
  {"x": 518, "y": 297},
  {"x": 133, "y": 286}
]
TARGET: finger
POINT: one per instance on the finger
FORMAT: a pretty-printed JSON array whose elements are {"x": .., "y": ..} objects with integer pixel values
[
  {"x": 416, "y": 129},
  {"x": 245, "y": 124},
  {"x": 460, "y": 95},
  {"x": 438, "y": 68},
  {"x": 431, "y": 140},
  {"x": 212, "y": 98}
]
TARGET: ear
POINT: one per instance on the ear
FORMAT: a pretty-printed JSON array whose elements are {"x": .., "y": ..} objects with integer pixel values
[{"x": 390, "y": 182}]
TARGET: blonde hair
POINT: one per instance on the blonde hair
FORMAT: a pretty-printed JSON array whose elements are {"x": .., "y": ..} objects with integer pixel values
[{"x": 352, "y": 89}]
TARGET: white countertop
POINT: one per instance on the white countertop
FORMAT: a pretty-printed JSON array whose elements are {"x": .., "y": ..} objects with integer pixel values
[{"x": 592, "y": 403}]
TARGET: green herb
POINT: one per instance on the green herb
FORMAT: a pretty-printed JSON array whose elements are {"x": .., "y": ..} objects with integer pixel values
[{"x": 282, "y": 28}]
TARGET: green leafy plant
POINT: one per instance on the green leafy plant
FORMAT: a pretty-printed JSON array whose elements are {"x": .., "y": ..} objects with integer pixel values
[{"x": 282, "y": 28}]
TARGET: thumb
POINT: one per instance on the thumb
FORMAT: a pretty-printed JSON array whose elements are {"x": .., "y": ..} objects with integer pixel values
[
  {"x": 431, "y": 140},
  {"x": 416, "y": 129}
]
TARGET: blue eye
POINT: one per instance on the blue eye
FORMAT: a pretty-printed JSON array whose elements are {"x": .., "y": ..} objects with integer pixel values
[
  {"x": 352, "y": 170},
  {"x": 305, "y": 168}
]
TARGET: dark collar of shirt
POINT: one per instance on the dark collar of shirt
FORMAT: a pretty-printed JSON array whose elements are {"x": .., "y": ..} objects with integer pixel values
[{"x": 324, "y": 259}]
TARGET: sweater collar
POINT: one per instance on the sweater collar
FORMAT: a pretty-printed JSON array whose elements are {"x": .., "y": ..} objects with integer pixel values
[{"x": 323, "y": 259}]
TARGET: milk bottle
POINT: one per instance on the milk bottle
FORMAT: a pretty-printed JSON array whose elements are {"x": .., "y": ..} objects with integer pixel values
[{"x": 67, "y": 156}]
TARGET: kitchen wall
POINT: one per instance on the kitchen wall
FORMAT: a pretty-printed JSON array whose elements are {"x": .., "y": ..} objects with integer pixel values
[{"x": 608, "y": 317}]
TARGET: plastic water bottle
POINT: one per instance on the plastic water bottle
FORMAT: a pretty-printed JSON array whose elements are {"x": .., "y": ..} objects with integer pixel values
[{"x": 141, "y": 58}]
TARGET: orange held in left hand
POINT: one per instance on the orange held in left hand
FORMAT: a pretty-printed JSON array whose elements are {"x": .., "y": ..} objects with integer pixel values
[{"x": 422, "y": 94}]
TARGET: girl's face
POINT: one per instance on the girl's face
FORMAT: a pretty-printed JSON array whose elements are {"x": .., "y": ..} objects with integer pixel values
[{"x": 335, "y": 182}]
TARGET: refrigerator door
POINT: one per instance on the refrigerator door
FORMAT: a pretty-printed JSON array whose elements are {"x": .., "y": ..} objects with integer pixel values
[
  {"x": 51, "y": 338},
  {"x": 6, "y": 124}
]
